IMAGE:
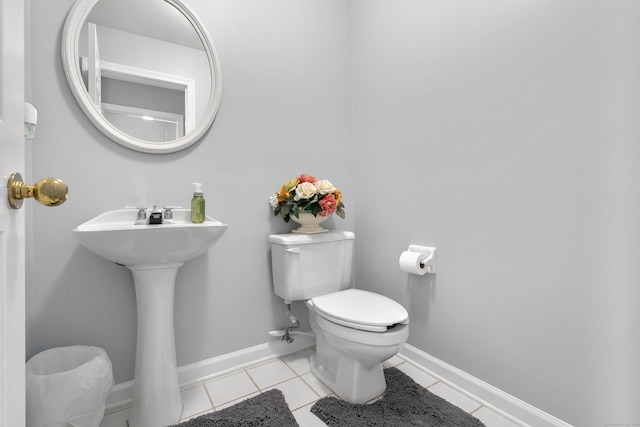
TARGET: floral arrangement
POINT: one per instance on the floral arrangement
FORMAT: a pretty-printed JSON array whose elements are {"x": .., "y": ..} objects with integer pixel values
[{"x": 306, "y": 193}]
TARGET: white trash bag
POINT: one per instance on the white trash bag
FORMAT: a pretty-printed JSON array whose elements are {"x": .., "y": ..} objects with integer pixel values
[{"x": 68, "y": 385}]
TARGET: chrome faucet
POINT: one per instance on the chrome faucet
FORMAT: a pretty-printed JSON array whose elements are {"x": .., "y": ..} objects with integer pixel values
[{"x": 156, "y": 216}]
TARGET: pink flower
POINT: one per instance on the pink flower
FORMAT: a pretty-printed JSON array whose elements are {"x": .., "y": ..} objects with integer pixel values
[
  {"x": 305, "y": 177},
  {"x": 329, "y": 205}
]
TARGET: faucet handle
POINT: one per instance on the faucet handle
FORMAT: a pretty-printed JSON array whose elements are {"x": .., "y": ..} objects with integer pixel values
[
  {"x": 168, "y": 214},
  {"x": 142, "y": 213}
]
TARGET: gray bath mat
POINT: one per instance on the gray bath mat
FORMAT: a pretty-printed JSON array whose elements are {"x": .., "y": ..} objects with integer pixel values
[
  {"x": 404, "y": 403},
  {"x": 267, "y": 409}
]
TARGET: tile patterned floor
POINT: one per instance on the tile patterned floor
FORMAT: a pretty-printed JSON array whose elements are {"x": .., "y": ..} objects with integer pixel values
[{"x": 292, "y": 375}]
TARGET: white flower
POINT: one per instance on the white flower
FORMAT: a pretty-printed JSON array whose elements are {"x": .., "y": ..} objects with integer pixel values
[
  {"x": 325, "y": 187},
  {"x": 273, "y": 200},
  {"x": 305, "y": 190}
]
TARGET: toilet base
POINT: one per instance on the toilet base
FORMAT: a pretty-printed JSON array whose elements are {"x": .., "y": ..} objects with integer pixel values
[
  {"x": 352, "y": 381},
  {"x": 348, "y": 378}
]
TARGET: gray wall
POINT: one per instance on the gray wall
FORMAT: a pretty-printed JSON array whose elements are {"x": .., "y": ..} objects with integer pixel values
[{"x": 504, "y": 133}]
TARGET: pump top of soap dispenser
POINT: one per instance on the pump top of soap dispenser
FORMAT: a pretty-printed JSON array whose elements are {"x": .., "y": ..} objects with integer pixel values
[{"x": 197, "y": 188}]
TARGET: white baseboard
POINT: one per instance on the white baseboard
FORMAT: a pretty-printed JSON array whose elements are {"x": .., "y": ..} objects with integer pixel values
[
  {"x": 493, "y": 398},
  {"x": 121, "y": 394}
]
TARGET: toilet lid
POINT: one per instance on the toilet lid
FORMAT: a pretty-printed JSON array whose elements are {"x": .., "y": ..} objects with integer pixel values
[{"x": 360, "y": 310}]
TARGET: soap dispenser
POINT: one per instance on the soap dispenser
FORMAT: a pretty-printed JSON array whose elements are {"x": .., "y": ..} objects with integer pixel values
[{"x": 197, "y": 204}]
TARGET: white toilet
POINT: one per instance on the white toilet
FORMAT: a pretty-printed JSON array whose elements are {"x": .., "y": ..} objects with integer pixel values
[{"x": 355, "y": 330}]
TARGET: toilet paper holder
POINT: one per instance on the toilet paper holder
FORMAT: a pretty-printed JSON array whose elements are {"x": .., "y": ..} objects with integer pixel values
[{"x": 430, "y": 257}]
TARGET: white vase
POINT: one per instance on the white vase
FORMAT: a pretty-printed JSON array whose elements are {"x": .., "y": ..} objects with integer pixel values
[{"x": 309, "y": 224}]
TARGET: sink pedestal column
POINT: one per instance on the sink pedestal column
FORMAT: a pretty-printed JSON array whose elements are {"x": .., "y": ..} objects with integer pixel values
[{"x": 156, "y": 389}]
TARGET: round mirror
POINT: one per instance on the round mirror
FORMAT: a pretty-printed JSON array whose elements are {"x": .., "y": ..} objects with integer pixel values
[{"x": 145, "y": 72}]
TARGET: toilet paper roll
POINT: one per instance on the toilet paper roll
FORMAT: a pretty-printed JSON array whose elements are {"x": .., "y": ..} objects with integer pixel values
[{"x": 410, "y": 263}]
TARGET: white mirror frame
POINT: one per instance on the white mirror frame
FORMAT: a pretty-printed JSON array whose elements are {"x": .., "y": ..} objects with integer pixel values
[{"x": 70, "y": 61}]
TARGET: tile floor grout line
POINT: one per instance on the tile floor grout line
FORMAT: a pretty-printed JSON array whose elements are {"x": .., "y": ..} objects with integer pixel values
[
  {"x": 214, "y": 406},
  {"x": 246, "y": 371},
  {"x": 269, "y": 387},
  {"x": 297, "y": 376},
  {"x": 311, "y": 387},
  {"x": 476, "y": 410},
  {"x": 437, "y": 382},
  {"x": 206, "y": 390}
]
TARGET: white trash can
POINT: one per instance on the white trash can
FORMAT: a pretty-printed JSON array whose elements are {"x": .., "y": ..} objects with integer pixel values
[{"x": 68, "y": 386}]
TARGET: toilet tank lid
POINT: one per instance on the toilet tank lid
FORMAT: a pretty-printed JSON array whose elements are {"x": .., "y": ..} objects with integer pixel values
[{"x": 292, "y": 239}]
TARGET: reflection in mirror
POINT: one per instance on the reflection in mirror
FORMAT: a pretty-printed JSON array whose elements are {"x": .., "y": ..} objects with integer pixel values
[{"x": 145, "y": 72}]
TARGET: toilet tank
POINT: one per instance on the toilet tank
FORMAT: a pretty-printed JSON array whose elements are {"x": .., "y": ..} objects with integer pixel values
[{"x": 309, "y": 265}]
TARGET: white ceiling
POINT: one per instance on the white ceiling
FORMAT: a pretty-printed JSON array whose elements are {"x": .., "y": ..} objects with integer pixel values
[{"x": 152, "y": 18}]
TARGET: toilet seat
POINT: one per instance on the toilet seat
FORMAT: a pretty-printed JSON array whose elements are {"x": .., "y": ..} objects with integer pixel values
[{"x": 358, "y": 309}]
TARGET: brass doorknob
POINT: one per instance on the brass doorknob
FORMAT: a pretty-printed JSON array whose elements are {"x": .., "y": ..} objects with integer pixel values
[{"x": 47, "y": 191}]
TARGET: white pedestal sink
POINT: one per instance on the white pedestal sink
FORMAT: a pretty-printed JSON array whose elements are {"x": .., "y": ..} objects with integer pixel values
[{"x": 153, "y": 253}]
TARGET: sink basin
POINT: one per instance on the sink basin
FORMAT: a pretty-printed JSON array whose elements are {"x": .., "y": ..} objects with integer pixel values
[
  {"x": 114, "y": 236},
  {"x": 153, "y": 253}
]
